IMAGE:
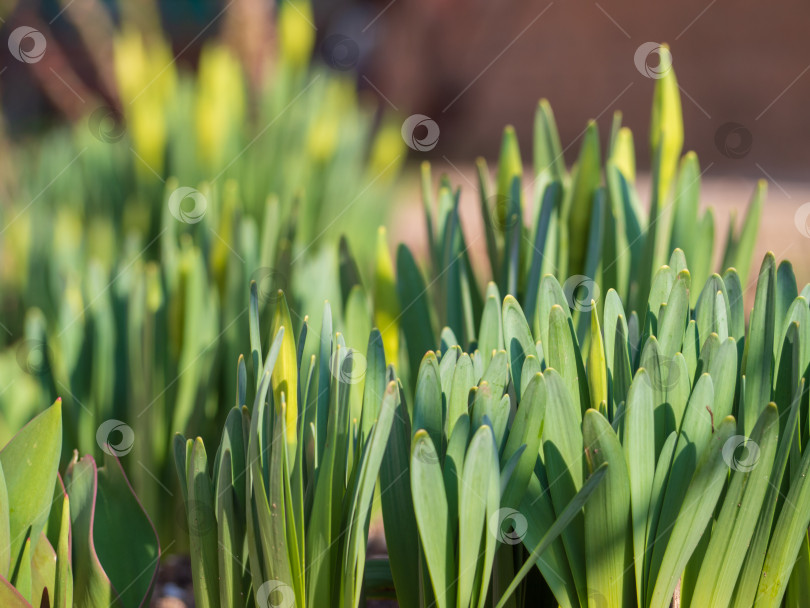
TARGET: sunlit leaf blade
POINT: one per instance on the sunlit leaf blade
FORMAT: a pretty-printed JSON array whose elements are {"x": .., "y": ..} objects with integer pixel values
[
  {"x": 30, "y": 481},
  {"x": 607, "y": 514},
  {"x": 758, "y": 354},
  {"x": 430, "y": 508},
  {"x": 752, "y": 462},
  {"x": 697, "y": 507},
  {"x": 639, "y": 449},
  {"x": 786, "y": 538}
]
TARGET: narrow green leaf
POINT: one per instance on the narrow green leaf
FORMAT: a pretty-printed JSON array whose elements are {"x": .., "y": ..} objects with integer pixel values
[
  {"x": 517, "y": 339},
  {"x": 758, "y": 354},
  {"x": 607, "y": 514},
  {"x": 751, "y": 460},
  {"x": 786, "y": 539},
  {"x": 562, "y": 453},
  {"x": 696, "y": 510},
  {"x": 639, "y": 451},
  {"x": 430, "y": 509},
  {"x": 571, "y": 511}
]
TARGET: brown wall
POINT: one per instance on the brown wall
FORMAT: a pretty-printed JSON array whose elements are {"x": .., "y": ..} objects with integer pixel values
[{"x": 734, "y": 59}]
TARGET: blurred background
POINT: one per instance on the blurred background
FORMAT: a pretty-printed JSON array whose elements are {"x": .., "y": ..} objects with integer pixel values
[{"x": 473, "y": 66}]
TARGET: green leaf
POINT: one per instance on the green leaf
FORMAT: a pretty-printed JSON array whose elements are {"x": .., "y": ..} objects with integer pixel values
[
  {"x": 517, "y": 339},
  {"x": 745, "y": 592},
  {"x": 510, "y": 166},
  {"x": 672, "y": 320},
  {"x": 548, "y": 156},
  {"x": 202, "y": 529},
  {"x": 694, "y": 514},
  {"x": 356, "y": 534},
  {"x": 571, "y": 511},
  {"x": 30, "y": 481},
  {"x": 577, "y": 207},
  {"x": 657, "y": 493},
  {"x": 478, "y": 478},
  {"x": 562, "y": 454},
  {"x": 416, "y": 321},
  {"x": 786, "y": 539},
  {"x": 695, "y": 433},
  {"x": 526, "y": 430},
  {"x": 736, "y": 320},
  {"x": 758, "y": 355},
  {"x": 485, "y": 204},
  {"x": 120, "y": 521},
  {"x": 453, "y": 469},
  {"x": 5, "y": 536},
  {"x": 751, "y": 461},
  {"x": 63, "y": 585},
  {"x": 740, "y": 255},
  {"x": 685, "y": 209},
  {"x": 285, "y": 373},
  {"x": 785, "y": 293},
  {"x": 639, "y": 451},
  {"x": 607, "y": 514},
  {"x": 398, "y": 512},
  {"x": 597, "y": 368},
  {"x": 463, "y": 381},
  {"x": 374, "y": 380},
  {"x": 553, "y": 563},
  {"x": 551, "y": 294},
  {"x": 427, "y": 402},
  {"x": 430, "y": 508},
  {"x": 91, "y": 585},
  {"x": 670, "y": 384},
  {"x": 552, "y": 199},
  {"x": 490, "y": 336},
  {"x": 10, "y": 597},
  {"x": 324, "y": 379},
  {"x": 22, "y": 577},
  {"x": 666, "y": 123},
  {"x": 563, "y": 354},
  {"x": 712, "y": 312},
  {"x": 386, "y": 303},
  {"x": 623, "y": 153}
]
